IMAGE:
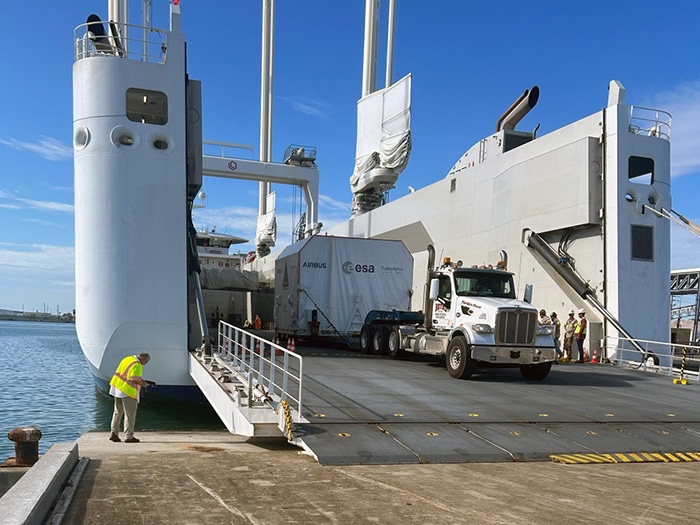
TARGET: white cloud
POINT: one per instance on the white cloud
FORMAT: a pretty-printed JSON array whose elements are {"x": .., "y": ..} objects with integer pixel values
[
  {"x": 308, "y": 107},
  {"x": 40, "y": 258},
  {"x": 683, "y": 103},
  {"x": 19, "y": 203},
  {"x": 47, "y": 147}
]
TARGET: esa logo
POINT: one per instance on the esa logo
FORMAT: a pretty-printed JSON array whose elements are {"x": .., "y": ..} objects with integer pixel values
[{"x": 349, "y": 267}]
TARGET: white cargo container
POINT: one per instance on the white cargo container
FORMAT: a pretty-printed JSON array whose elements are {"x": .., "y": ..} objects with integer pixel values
[{"x": 325, "y": 285}]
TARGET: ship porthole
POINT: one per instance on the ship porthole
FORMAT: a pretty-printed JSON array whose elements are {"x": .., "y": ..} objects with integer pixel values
[
  {"x": 161, "y": 143},
  {"x": 81, "y": 138},
  {"x": 124, "y": 137}
]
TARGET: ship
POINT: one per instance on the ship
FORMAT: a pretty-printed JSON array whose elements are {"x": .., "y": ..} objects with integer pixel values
[{"x": 577, "y": 210}]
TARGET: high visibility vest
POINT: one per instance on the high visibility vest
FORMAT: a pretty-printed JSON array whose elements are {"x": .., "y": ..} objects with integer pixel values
[
  {"x": 581, "y": 327},
  {"x": 128, "y": 368}
]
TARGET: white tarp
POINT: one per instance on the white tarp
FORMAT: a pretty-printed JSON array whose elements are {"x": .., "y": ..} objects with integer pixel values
[
  {"x": 343, "y": 279},
  {"x": 384, "y": 129}
]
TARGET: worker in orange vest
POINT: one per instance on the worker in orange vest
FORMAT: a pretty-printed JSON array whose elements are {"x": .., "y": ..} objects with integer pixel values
[{"x": 258, "y": 322}]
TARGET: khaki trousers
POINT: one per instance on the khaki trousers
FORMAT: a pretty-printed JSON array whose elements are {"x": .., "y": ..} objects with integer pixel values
[{"x": 124, "y": 406}]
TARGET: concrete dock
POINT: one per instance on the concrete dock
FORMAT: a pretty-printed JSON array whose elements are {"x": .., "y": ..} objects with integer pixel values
[{"x": 217, "y": 478}]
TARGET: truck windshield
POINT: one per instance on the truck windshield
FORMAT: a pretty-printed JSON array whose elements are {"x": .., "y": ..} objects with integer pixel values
[{"x": 484, "y": 284}]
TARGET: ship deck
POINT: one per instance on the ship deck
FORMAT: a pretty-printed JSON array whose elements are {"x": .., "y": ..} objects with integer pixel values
[{"x": 377, "y": 410}]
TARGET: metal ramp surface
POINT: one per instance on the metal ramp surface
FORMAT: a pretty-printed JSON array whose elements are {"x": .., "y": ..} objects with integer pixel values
[{"x": 376, "y": 410}]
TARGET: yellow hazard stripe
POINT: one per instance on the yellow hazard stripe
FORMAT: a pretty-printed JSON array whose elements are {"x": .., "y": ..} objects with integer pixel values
[{"x": 626, "y": 457}]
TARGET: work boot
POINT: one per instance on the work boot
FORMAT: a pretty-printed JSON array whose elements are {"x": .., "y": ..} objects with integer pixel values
[
  {"x": 114, "y": 437},
  {"x": 132, "y": 440}
]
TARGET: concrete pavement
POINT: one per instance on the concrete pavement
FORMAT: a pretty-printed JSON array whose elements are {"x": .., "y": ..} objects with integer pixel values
[{"x": 217, "y": 478}]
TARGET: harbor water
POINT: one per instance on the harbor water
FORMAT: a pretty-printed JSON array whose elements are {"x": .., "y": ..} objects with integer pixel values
[{"x": 47, "y": 384}]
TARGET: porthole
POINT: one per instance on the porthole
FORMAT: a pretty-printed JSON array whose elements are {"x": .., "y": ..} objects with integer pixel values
[
  {"x": 124, "y": 137},
  {"x": 81, "y": 138},
  {"x": 161, "y": 142}
]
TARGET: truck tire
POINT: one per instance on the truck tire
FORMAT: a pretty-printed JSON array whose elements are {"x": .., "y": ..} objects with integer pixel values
[
  {"x": 393, "y": 342},
  {"x": 535, "y": 372},
  {"x": 366, "y": 339},
  {"x": 458, "y": 360},
  {"x": 379, "y": 337}
]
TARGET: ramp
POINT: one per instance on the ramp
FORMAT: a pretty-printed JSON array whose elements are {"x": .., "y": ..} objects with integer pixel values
[{"x": 375, "y": 410}]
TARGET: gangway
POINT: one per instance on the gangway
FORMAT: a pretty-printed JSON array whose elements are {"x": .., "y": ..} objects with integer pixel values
[{"x": 253, "y": 384}]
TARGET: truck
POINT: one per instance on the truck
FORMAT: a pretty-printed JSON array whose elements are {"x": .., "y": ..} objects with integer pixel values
[
  {"x": 471, "y": 318},
  {"x": 325, "y": 285}
]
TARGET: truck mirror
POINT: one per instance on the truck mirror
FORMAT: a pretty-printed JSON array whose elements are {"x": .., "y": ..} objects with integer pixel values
[
  {"x": 434, "y": 287},
  {"x": 527, "y": 297}
]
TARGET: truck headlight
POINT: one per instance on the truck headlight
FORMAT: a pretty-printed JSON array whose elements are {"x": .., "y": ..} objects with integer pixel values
[
  {"x": 545, "y": 329},
  {"x": 482, "y": 328}
]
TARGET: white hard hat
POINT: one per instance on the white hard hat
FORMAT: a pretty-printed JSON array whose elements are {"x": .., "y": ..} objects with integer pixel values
[
  {"x": 582, "y": 311},
  {"x": 571, "y": 312}
]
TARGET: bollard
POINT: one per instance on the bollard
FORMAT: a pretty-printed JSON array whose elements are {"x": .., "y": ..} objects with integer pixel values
[{"x": 26, "y": 445}]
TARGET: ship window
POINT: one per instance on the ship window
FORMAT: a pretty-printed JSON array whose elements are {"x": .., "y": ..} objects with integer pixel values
[
  {"x": 146, "y": 106},
  {"x": 642, "y": 243},
  {"x": 641, "y": 170},
  {"x": 453, "y": 185}
]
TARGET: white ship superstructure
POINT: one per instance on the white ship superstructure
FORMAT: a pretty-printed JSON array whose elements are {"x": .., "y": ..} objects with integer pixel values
[{"x": 585, "y": 189}]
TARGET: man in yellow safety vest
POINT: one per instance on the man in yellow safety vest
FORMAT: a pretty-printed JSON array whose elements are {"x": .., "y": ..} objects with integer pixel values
[
  {"x": 580, "y": 333},
  {"x": 125, "y": 386}
]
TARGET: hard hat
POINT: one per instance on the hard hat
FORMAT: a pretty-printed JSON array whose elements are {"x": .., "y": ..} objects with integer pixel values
[
  {"x": 582, "y": 311},
  {"x": 571, "y": 312},
  {"x": 553, "y": 314}
]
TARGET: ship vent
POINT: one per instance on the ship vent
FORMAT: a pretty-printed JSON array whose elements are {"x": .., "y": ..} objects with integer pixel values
[{"x": 516, "y": 327}]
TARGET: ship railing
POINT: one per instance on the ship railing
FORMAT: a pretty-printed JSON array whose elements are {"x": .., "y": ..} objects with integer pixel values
[
  {"x": 650, "y": 122},
  {"x": 672, "y": 359},
  {"x": 269, "y": 372},
  {"x": 224, "y": 147},
  {"x": 132, "y": 42}
]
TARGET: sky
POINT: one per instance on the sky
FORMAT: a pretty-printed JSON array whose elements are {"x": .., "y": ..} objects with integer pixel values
[{"x": 469, "y": 59}]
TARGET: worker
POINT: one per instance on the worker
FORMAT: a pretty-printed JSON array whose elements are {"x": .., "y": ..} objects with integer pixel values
[
  {"x": 258, "y": 322},
  {"x": 569, "y": 327},
  {"x": 544, "y": 318},
  {"x": 126, "y": 386},
  {"x": 556, "y": 335},
  {"x": 580, "y": 333}
]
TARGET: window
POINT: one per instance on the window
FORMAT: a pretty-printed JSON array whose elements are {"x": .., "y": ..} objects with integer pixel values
[
  {"x": 146, "y": 106},
  {"x": 642, "y": 243},
  {"x": 641, "y": 170}
]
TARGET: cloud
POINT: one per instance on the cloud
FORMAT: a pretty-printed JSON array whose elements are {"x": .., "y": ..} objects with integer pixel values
[
  {"x": 47, "y": 147},
  {"x": 19, "y": 203},
  {"x": 42, "y": 259},
  {"x": 683, "y": 103},
  {"x": 47, "y": 205},
  {"x": 308, "y": 107}
]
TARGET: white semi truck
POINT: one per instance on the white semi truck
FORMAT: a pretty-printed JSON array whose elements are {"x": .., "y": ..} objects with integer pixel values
[{"x": 472, "y": 318}]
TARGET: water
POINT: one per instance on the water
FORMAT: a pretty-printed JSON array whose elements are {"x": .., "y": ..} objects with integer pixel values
[{"x": 47, "y": 384}]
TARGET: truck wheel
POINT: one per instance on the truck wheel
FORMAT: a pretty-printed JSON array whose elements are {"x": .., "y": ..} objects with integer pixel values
[
  {"x": 365, "y": 339},
  {"x": 458, "y": 360},
  {"x": 393, "y": 342},
  {"x": 535, "y": 372},
  {"x": 379, "y": 338}
]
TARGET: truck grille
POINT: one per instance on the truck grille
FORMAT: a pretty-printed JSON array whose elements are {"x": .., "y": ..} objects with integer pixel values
[{"x": 516, "y": 327}]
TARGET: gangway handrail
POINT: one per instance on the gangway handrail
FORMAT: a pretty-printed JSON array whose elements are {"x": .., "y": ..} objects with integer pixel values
[{"x": 270, "y": 373}]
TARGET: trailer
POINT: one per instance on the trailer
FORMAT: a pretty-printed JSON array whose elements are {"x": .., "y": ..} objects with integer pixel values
[{"x": 326, "y": 285}]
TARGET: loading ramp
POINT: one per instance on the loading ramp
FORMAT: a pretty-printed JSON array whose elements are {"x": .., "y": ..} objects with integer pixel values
[{"x": 366, "y": 409}]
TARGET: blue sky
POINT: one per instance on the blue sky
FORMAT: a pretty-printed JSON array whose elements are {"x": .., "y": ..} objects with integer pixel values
[{"x": 469, "y": 59}]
